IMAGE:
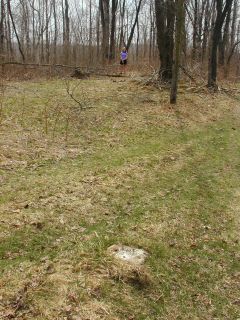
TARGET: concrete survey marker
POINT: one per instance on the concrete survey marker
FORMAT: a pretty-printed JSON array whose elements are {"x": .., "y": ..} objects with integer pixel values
[{"x": 128, "y": 254}]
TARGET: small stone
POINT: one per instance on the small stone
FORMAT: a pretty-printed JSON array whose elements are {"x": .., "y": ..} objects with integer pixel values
[
  {"x": 16, "y": 211},
  {"x": 44, "y": 259},
  {"x": 37, "y": 224}
]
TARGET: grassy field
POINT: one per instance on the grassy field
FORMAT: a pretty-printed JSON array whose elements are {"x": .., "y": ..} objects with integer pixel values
[{"x": 116, "y": 164}]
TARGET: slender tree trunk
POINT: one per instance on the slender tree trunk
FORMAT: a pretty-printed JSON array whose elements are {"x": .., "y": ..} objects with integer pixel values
[
  {"x": 224, "y": 39},
  {"x": 200, "y": 28},
  {"x": 15, "y": 31},
  {"x": 55, "y": 33},
  {"x": 151, "y": 34},
  {"x": 195, "y": 31},
  {"x": 2, "y": 31},
  {"x": 137, "y": 43},
  {"x": 9, "y": 36},
  {"x": 134, "y": 25},
  {"x": 67, "y": 33},
  {"x": 234, "y": 23},
  {"x": 98, "y": 35},
  {"x": 178, "y": 50},
  {"x": 41, "y": 17},
  {"x": 26, "y": 29},
  {"x": 205, "y": 31},
  {"x": 90, "y": 52},
  {"x": 113, "y": 30},
  {"x": 47, "y": 32},
  {"x": 33, "y": 31},
  {"x": 122, "y": 14}
]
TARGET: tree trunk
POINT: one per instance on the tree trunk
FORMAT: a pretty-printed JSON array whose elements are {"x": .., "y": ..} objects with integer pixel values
[
  {"x": 98, "y": 35},
  {"x": 122, "y": 15},
  {"x": 178, "y": 50},
  {"x": 165, "y": 18},
  {"x": 113, "y": 30},
  {"x": 195, "y": 31},
  {"x": 234, "y": 23},
  {"x": 105, "y": 19},
  {"x": 15, "y": 30},
  {"x": 9, "y": 36},
  {"x": 224, "y": 39},
  {"x": 2, "y": 29},
  {"x": 221, "y": 15},
  {"x": 206, "y": 24},
  {"x": 137, "y": 44},
  {"x": 134, "y": 25},
  {"x": 67, "y": 33},
  {"x": 90, "y": 53},
  {"x": 47, "y": 33},
  {"x": 55, "y": 33}
]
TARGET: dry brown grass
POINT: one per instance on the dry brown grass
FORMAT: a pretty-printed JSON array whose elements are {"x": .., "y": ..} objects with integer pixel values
[{"x": 133, "y": 170}]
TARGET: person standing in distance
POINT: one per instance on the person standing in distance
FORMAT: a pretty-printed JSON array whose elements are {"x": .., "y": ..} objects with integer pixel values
[{"x": 124, "y": 56}]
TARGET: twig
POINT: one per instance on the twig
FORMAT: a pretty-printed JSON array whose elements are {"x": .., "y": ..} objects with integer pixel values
[{"x": 71, "y": 95}]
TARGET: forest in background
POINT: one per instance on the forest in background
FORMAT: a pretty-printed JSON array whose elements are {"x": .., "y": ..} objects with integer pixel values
[{"x": 91, "y": 32}]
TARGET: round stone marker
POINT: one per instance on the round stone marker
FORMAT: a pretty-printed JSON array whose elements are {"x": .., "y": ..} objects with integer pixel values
[{"x": 128, "y": 254}]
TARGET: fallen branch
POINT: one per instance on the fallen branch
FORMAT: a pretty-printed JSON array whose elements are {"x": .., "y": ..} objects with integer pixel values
[
  {"x": 187, "y": 74},
  {"x": 53, "y": 65},
  {"x": 87, "y": 70}
]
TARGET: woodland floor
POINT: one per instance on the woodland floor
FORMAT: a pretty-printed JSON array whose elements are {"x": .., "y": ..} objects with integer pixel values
[{"x": 127, "y": 169}]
